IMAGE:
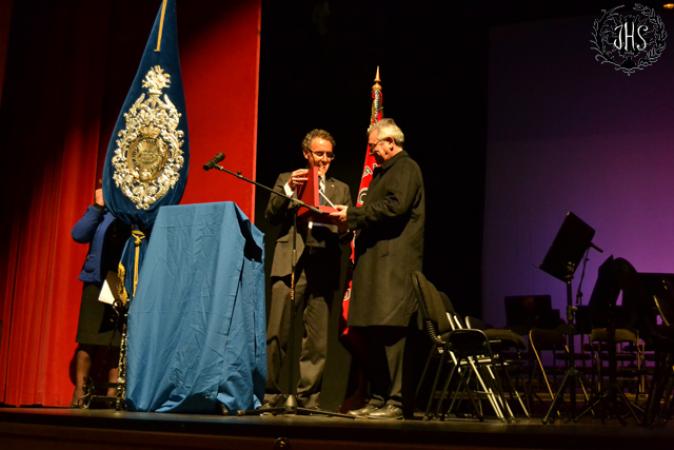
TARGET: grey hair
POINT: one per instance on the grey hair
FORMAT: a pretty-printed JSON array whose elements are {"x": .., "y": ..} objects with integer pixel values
[{"x": 387, "y": 128}]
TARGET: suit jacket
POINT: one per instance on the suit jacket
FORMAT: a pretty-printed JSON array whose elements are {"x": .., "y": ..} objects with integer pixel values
[
  {"x": 389, "y": 246},
  {"x": 106, "y": 236},
  {"x": 280, "y": 211}
]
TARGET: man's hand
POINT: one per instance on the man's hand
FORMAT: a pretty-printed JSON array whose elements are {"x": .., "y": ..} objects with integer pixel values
[
  {"x": 98, "y": 197},
  {"x": 297, "y": 178},
  {"x": 340, "y": 214}
]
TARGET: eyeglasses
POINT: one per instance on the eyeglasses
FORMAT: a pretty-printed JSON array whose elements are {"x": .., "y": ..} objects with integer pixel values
[
  {"x": 373, "y": 146},
  {"x": 321, "y": 154}
]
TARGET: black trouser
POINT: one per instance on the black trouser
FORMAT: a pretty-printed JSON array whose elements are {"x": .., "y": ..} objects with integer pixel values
[
  {"x": 380, "y": 350},
  {"x": 314, "y": 289}
]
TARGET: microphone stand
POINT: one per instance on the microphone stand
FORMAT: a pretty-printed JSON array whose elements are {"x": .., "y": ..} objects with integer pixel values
[
  {"x": 294, "y": 200},
  {"x": 290, "y": 406}
]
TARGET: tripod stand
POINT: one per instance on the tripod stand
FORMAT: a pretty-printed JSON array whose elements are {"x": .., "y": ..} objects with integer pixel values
[
  {"x": 572, "y": 241},
  {"x": 613, "y": 395},
  {"x": 290, "y": 405}
]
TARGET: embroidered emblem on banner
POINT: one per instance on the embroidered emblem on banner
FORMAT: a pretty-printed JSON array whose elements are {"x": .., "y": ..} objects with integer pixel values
[
  {"x": 629, "y": 39},
  {"x": 362, "y": 194},
  {"x": 149, "y": 156}
]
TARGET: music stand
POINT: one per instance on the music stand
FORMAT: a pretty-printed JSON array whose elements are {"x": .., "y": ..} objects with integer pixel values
[
  {"x": 657, "y": 294},
  {"x": 573, "y": 239}
]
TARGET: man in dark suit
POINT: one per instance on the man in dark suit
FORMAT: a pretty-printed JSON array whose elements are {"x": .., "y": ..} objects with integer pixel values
[
  {"x": 389, "y": 248},
  {"x": 320, "y": 252}
]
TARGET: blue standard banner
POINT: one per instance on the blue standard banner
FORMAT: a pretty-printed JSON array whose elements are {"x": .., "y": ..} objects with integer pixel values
[{"x": 148, "y": 154}]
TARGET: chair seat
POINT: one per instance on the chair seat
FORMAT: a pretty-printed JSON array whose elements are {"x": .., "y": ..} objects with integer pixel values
[
  {"x": 621, "y": 335},
  {"x": 507, "y": 337}
]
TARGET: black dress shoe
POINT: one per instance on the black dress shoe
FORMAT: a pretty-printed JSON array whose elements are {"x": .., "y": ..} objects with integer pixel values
[
  {"x": 364, "y": 411},
  {"x": 387, "y": 412}
]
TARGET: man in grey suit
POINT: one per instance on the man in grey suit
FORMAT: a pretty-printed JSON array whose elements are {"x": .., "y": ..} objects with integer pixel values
[
  {"x": 389, "y": 248},
  {"x": 320, "y": 251}
]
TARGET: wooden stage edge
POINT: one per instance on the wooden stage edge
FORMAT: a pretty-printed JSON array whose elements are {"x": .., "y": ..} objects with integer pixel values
[{"x": 54, "y": 428}]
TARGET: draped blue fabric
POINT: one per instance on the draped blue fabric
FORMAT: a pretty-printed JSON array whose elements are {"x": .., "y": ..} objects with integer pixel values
[
  {"x": 161, "y": 51},
  {"x": 197, "y": 325}
]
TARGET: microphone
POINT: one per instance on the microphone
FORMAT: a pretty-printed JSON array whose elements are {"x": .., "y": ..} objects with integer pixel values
[{"x": 214, "y": 161}]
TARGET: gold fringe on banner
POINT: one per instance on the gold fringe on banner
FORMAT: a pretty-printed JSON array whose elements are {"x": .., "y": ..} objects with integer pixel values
[
  {"x": 138, "y": 237},
  {"x": 121, "y": 289}
]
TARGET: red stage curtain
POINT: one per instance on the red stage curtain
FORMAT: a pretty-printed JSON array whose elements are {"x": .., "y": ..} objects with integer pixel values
[
  {"x": 220, "y": 77},
  {"x": 62, "y": 94}
]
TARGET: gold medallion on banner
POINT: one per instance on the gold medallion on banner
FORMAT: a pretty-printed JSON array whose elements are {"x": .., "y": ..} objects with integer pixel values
[{"x": 149, "y": 156}]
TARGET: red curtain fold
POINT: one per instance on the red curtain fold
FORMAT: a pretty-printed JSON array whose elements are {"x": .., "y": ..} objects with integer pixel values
[
  {"x": 64, "y": 86},
  {"x": 53, "y": 134},
  {"x": 220, "y": 78}
]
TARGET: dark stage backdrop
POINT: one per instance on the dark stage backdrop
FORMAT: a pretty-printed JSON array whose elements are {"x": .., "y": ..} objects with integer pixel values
[
  {"x": 317, "y": 65},
  {"x": 68, "y": 67},
  {"x": 5, "y": 16},
  {"x": 569, "y": 134}
]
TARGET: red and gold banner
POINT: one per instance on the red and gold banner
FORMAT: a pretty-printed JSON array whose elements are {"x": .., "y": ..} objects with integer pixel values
[{"x": 376, "y": 114}]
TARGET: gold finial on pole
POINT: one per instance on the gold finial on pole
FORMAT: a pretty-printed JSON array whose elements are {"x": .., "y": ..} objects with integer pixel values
[
  {"x": 377, "y": 111},
  {"x": 161, "y": 26},
  {"x": 377, "y": 81}
]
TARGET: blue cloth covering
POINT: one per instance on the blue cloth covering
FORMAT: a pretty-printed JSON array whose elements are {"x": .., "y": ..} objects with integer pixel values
[{"x": 197, "y": 324}]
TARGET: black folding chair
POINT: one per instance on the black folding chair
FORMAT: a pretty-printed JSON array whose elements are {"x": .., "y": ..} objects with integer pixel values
[
  {"x": 440, "y": 321},
  {"x": 435, "y": 311}
]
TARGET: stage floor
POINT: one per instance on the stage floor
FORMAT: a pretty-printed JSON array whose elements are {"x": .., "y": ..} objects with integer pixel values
[{"x": 53, "y": 428}]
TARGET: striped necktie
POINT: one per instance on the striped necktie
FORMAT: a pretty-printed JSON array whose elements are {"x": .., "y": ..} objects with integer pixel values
[{"x": 321, "y": 188}]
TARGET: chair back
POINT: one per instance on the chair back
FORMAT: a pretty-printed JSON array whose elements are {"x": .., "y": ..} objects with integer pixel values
[
  {"x": 542, "y": 339},
  {"x": 469, "y": 342},
  {"x": 666, "y": 310},
  {"x": 433, "y": 304},
  {"x": 664, "y": 300}
]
